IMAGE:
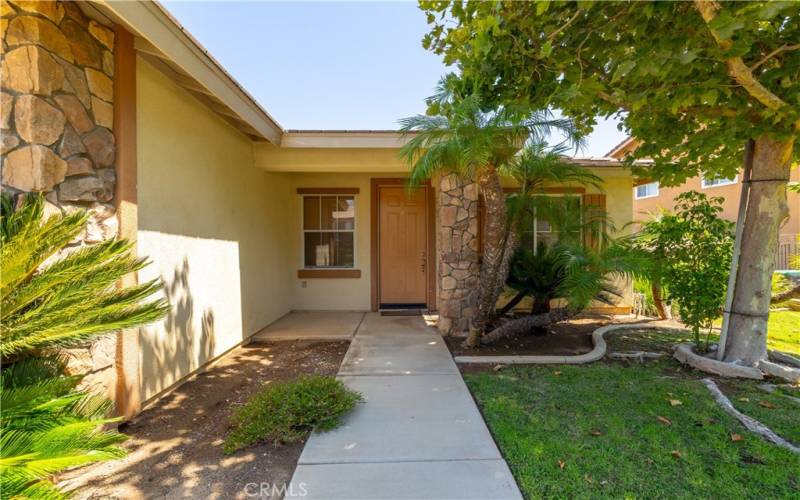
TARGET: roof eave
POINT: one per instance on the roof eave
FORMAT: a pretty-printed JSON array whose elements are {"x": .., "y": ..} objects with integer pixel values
[{"x": 170, "y": 46}]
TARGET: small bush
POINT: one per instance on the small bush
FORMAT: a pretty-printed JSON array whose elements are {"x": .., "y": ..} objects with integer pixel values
[
  {"x": 696, "y": 246},
  {"x": 284, "y": 412}
]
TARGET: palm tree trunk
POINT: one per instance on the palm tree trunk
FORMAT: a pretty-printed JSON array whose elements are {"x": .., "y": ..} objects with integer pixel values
[
  {"x": 525, "y": 324},
  {"x": 513, "y": 302},
  {"x": 509, "y": 247},
  {"x": 495, "y": 231},
  {"x": 663, "y": 309}
]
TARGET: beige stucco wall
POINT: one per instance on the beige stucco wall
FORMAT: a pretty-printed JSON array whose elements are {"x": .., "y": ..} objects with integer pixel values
[
  {"x": 354, "y": 294},
  {"x": 214, "y": 226},
  {"x": 326, "y": 160},
  {"x": 326, "y": 293},
  {"x": 619, "y": 206}
]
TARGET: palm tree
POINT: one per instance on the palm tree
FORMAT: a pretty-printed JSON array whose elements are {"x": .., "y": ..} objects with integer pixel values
[
  {"x": 475, "y": 141},
  {"x": 49, "y": 299},
  {"x": 534, "y": 168},
  {"x": 575, "y": 273}
]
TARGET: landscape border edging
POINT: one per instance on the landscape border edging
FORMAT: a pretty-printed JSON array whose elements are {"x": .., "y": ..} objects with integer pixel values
[{"x": 596, "y": 354}]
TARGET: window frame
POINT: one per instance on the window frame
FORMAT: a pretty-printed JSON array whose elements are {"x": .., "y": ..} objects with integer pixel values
[
  {"x": 705, "y": 183},
  {"x": 536, "y": 231},
  {"x": 303, "y": 231},
  {"x": 644, "y": 197}
]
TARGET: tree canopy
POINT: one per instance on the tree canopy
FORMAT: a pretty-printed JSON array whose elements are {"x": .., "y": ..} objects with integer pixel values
[{"x": 692, "y": 81}]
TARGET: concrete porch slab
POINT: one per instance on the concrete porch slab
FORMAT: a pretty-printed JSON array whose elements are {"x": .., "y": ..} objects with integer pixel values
[
  {"x": 375, "y": 324},
  {"x": 464, "y": 479},
  {"x": 405, "y": 418},
  {"x": 312, "y": 325},
  {"x": 397, "y": 354}
]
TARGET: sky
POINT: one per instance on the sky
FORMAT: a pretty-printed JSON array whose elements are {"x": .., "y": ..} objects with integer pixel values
[{"x": 330, "y": 65}]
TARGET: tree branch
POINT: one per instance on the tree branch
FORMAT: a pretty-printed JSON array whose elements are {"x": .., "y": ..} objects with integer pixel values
[
  {"x": 616, "y": 102},
  {"x": 782, "y": 48},
  {"x": 736, "y": 67},
  {"x": 565, "y": 26}
]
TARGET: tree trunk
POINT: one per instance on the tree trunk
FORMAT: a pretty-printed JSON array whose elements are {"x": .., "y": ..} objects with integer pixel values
[
  {"x": 494, "y": 238},
  {"x": 541, "y": 305},
  {"x": 664, "y": 311},
  {"x": 786, "y": 295},
  {"x": 512, "y": 303},
  {"x": 767, "y": 209},
  {"x": 509, "y": 248},
  {"x": 525, "y": 325}
]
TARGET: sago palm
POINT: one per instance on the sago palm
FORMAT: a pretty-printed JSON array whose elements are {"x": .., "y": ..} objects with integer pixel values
[
  {"x": 573, "y": 273},
  {"x": 475, "y": 141},
  {"x": 52, "y": 298}
]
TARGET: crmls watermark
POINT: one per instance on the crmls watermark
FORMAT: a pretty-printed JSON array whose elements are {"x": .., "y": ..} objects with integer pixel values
[{"x": 275, "y": 490}]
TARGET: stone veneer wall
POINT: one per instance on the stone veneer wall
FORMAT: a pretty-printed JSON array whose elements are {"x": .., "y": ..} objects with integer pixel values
[
  {"x": 57, "y": 117},
  {"x": 458, "y": 248}
]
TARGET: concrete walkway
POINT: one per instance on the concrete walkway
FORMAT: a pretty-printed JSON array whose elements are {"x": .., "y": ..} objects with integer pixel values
[{"x": 418, "y": 434}]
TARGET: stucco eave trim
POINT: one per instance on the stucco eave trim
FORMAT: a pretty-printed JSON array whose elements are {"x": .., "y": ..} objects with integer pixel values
[
  {"x": 153, "y": 23},
  {"x": 344, "y": 139}
]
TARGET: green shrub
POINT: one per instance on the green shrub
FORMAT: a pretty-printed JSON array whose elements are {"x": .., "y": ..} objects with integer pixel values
[
  {"x": 284, "y": 412},
  {"x": 51, "y": 299},
  {"x": 696, "y": 246},
  {"x": 780, "y": 284}
]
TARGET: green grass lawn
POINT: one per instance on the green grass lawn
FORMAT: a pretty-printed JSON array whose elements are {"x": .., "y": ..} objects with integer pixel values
[
  {"x": 773, "y": 410},
  {"x": 784, "y": 331},
  {"x": 783, "y": 335},
  {"x": 594, "y": 431}
]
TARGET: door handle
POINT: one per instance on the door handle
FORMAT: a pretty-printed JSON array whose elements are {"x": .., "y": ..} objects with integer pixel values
[{"x": 424, "y": 261}]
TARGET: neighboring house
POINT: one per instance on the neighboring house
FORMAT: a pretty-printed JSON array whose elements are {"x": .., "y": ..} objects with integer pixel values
[
  {"x": 650, "y": 197},
  {"x": 114, "y": 107}
]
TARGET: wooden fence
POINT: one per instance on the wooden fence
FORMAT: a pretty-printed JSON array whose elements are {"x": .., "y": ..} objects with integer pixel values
[{"x": 788, "y": 253}]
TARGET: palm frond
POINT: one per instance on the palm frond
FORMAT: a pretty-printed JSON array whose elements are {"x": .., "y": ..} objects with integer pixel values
[{"x": 47, "y": 424}]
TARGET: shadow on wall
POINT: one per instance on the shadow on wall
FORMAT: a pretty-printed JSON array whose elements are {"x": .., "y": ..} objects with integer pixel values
[{"x": 164, "y": 363}]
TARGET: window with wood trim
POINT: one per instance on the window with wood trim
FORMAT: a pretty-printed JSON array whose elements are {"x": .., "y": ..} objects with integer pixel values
[
  {"x": 568, "y": 213},
  {"x": 553, "y": 217},
  {"x": 329, "y": 226}
]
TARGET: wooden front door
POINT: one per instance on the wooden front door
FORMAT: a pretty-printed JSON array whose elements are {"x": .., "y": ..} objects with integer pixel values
[{"x": 402, "y": 245}]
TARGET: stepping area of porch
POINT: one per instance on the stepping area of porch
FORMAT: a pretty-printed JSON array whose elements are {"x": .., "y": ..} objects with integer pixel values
[
  {"x": 312, "y": 325},
  {"x": 418, "y": 434}
]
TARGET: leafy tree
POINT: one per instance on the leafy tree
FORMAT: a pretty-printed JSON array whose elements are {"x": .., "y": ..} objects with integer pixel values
[
  {"x": 47, "y": 423},
  {"x": 475, "y": 141},
  {"x": 695, "y": 247},
  {"x": 694, "y": 82}
]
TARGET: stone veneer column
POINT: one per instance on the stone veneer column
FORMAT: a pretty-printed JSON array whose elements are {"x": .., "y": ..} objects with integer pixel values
[
  {"x": 57, "y": 120},
  {"x": 458, "y": 253}
]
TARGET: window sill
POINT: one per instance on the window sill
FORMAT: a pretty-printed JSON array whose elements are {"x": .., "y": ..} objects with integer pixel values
[{"x": 329, "y": 273}]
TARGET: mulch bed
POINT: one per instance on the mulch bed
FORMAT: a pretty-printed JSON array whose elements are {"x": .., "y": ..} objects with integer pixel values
[
  {"x": 175, "y": 447},
  {"x": 563, "y": 339}
]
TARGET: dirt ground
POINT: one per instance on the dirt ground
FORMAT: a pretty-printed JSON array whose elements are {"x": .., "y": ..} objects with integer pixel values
[
  {"x": 175, "y": 447},
  {"x": 564, "y": 339}
]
